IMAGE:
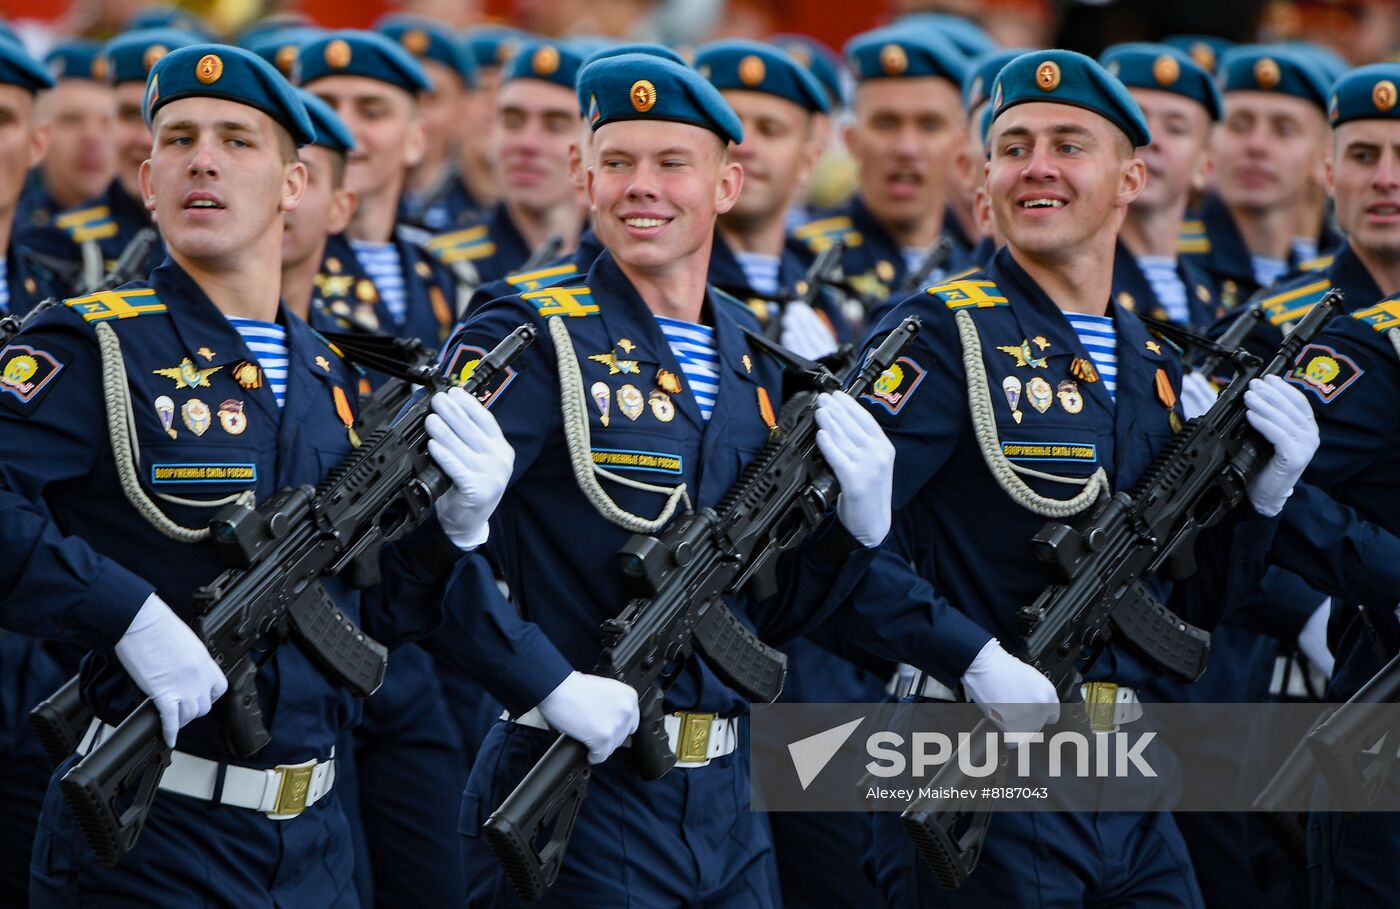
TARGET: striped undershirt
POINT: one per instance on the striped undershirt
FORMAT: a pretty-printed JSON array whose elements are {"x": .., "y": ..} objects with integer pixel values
[
  {"x": 1167, "y": 286},
  {"x": 4, "y": 288},
  {"x": 268, "y": 343},
  {"x": 381, "y": 262},
  {"x": 1099, "y": 338},
  {"x": 694, "y": 347},
  {"x": 760, "y": 271}
]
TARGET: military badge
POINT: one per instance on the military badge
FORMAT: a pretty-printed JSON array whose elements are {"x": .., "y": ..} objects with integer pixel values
[
  {"x": 896, "y": 385},
  {"x": 1165, "y": 393},
  {"x": 1084, "y": 370},
  {"x": 661, "y": 406},
  {"x": 249, "y": 375},
  {"x": 1011, "y": 387},
  {"x": 1040, "y": 342},
  {"x": 765, "y": 409},
  {"x": 1022, "y": 355},
  {"x": 26, "y": 371},
  {"x": 602, "y": 396},
  {"x": 165, "y": 409},
  {"x": 196, "y": 416},
  {"x": 1039, "y": 394},
  {"x": 187, "y": 375},
  {"x": 345, "y": 414},
  {"x": 323, "y": 363},
  {"x": 615, "y": 365},
  {"x": 232, "y": 418},
  {"x": 668, "y": 382},
  {"x": 206, "y": 353},
  {"x": 1323, "y": 371},
  {"x": 462, "y": 364},
  {"x": 1070, "y": 399},
  {"x": 630, "y": 401}
]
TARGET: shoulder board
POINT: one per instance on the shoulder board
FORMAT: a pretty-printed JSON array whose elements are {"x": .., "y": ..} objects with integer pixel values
[
  {"x": 968, "y": 294},
  {"x": 1292, "y": 304},
  {"x": 93, "y": 223},
  {"x": 1193, "y": 238},
  {"x": 574, "y": 302},
  {"x": 462, "y": 245},
  {"x": 820, "y": 234},
  {"x": 1317, "y": 263},
  {"x": 542, "y": 277},
  {"x": 106, "y": 305},
  {"x": 735, "y": 301},
  {"x": 1384, "y": 316}
]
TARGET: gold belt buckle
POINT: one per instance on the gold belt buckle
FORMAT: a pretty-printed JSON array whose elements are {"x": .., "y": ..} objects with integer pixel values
[
  {"x": 1101, "y": 699},
  {"x": 693, "y": 743},
  {"x": 296, "y": 786}
]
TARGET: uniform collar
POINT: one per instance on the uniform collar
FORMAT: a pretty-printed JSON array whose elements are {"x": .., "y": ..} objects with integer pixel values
[
  {"x": 123, "y": 208},
  {"x": 1349, "y": 274},
  {"x": 1228, "y": 256},
  {"x": 511, "y": 249}
]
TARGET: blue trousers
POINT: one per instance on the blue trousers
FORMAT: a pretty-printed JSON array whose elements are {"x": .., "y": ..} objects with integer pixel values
[
  {"x": 687, "y": 839},
  {"x": 1048, "y": 860}
]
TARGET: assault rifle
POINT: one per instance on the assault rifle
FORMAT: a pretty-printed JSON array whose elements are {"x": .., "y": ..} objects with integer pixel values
[
  {"x": 1202, "y": 474},
  {"x": 280, "y": 550},
  {"x": 128, "y": 268},
  {"x": 681, "y": 577},
  {"x": 823, "y": 272}
]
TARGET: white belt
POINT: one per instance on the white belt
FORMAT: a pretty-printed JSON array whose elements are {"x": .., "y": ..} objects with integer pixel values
[
  {"x": 281, "y": 792},
  {"x": 705, "y": 738},
  {"x": 1295, "y": 677}
]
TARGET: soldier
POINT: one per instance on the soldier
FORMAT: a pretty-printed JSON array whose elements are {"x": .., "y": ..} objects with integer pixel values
[
  {"x": 78, "y": 114},
  {"x": 976, "y": 102},
  {"x": 94, "y": 233},
  {"x": 491, "y": 49},
  {"x": 26, "y": 276},
  {"x": 776, "y": 100},
  {"x": 536, "y": 122},
  {"x": 1181, "y": 103},
  {"x": 908, "y": 131},
  {"x": 435, "y": 197},
  {"x": 1270, "y": 144},
  {"x": 1066, "y": 373},
  {"x": 375, "y": 272},
  {"x": 677, "y": 403},
  {"x": 109, "y": 544}
]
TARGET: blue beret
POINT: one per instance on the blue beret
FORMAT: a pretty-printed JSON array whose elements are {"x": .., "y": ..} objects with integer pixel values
[
  {"x": 900, "y": 53},
  {"x": 820, "y": 60},
  {"x": 18, "y": 68},
  {"x": 280, "y": 47},
  {"x": 618, "y": 50},
  {"x": 429, "y": 39},
  {"x": 1064, "y": 77},
  {"x": 1164, "y": 68},
  {"x": 644, "y": 87},
  {"x": 331, "y": 131},
  {"x": 494, "y": 46},
  {"x": 1206, "y": 50},
  {"x": 968, "y": 37},
  {"x": 169, "y": 17},
  {"x": 76, "y": 60},
  {"x": 351, "y": 52},
  {"x": 982, "y": 72},
  {"x": 1333, "y": 65},
  {"x": 1366, "y": 93},
  {"x": 131, "y": 55},
  {"x": 230, "y": 73},
  {"x": 267, "y": 25},
  {"x": 547, "y": 61},
  {"x": 1257, "y": 68},
  {"x": 755, "y": 67},
  {"x": 7, "y": 32}
]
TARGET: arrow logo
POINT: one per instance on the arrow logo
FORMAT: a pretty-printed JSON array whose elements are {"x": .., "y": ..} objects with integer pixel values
[{"x": 812, "y": 754}]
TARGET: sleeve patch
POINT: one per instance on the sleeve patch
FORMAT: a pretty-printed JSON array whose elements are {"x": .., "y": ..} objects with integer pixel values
[
  {"x": 27, "y": 372},
  {"x": 896, "y": 385},
  {"x": 1324, "y": 372},
  {"x": 462, "y": 364}
]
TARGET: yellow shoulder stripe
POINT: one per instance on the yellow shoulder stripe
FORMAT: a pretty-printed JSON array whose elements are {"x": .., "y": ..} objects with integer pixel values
[
  {"x": 555, "y": 272},
  {"x": 1384, "y": 316},
  {"x": 573, "y": 302},
  {"x": 110, "y": 304},
  {"x": 824, "y": 226},
  {"x": 82, "y": 217},
  {"x": 471, "y": 234},
  {"x": 968, "y": 294}
]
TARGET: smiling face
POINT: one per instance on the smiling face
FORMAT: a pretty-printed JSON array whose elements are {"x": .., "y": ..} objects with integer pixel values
[
  {"x": 325, "y": 207},
  {"x": 219, "y": 178},
  {"x": 536, "y": 122},
  {"x": 1178, "y": 158},
  {"x": 1060, "y": 179},
  {"x": 1364, "y": 175},
  {"x": 1268, "y": 150},
  {"x": 388, "y": 133},
  {"x": 905, "y": 139},
  {"x": 655, "y": 188},
  {"x": 777, "y": 154}
]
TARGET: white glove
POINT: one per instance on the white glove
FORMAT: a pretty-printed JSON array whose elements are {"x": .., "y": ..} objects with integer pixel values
[
  {"x": 1283, "y": 416},
  {"x": 805, "y": 333},
  {"x": 468, "y": 445},
  {"x": 1012, "y": 693},
  {"x": 598, "y": 711},
  {"x": 1197, "y": 394},
  {"x": 1312, "y": 640},
  {"x": 863, "y": 461},
  {"x": 167, "y": 661}
]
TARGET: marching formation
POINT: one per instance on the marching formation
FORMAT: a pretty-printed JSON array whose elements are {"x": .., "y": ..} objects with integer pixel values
[{"x": 419, "y": 449}]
